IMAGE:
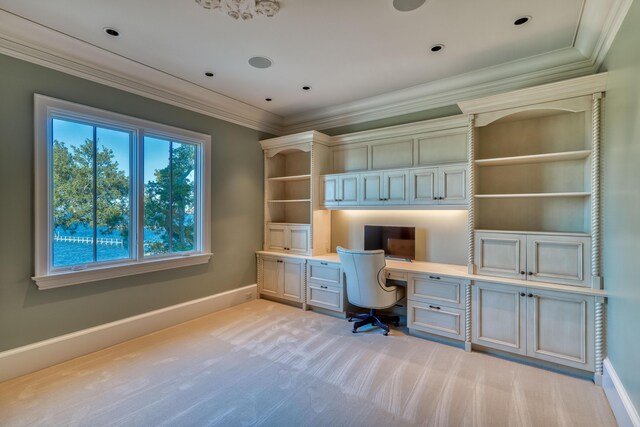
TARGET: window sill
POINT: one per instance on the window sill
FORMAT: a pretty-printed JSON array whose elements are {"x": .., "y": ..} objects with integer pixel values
[{"x": 67, "y": 278}]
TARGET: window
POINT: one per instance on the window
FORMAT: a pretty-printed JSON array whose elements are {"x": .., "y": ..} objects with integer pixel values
[{"x": 116, "y": 195}]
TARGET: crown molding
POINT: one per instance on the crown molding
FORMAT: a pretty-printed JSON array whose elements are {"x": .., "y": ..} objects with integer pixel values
[
  {"x": 599, "y": 24},
  {"x": 32, "y": 42},
  {"x": 311, "y": 136},
  {"x": 580, "y": 86}
]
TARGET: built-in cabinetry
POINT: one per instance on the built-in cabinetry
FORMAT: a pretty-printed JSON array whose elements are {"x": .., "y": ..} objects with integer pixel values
[
  {"x": 325, "y": 287},
  {"x": 436, "y": 304},
  {"x": 340, "y": 190},
  {"x": 282, "y": 277},
  {"x": 549, "y": 325},
  {"x": 294, "y": 221}
]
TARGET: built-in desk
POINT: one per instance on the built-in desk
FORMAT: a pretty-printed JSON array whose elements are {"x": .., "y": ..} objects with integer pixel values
[{"x": 518, "y": 316}]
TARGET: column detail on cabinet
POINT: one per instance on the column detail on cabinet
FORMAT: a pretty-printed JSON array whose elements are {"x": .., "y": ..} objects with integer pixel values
[
  {"x": 595, "y": 192},
  {"x": 468, "y": 312},
  {"x": 471, "y": 153},
  {"x": 600, "y": 347}
]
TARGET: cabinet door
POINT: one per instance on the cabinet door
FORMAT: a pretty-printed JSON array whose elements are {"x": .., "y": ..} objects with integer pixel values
[
  {"x": 293, "y": 280},
  {"x": 396, "y": 188},
  {"x": 277, "y": 236},
  {"x": 499, "y": 317},
  {"x": 559, "y": 259},
  {"x": 423, "y": 186},
  {"x": 453, "y": 185},
  {"x": 330, "y": 190},
  {"x": 501, "y": 254},
  {"x": 348, "y": 186},
  {"x": 325, "y": 296},
  {"x": 298, "y": 239},
  {"x": 271, "y": 276},
  {"x": 561, "y": 328},
  {"x": 371, "y": 189}
]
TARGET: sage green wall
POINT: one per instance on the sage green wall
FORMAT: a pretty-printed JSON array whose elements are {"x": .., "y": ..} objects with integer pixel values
[
  {"x": 28, "y": 315},
  {"x": 621, "y": 203}
]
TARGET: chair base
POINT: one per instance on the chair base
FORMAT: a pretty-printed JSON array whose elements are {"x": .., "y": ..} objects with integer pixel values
[{"x": 373, "y": 319}]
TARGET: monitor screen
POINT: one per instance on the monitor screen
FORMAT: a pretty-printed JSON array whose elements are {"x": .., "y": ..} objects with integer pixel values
[{"x": 397, "y": 242}]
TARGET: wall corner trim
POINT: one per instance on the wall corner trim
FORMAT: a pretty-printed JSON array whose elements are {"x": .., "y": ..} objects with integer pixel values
[
  {"x": 626, "y": 414},
  {"x": 33, "y": 357}
]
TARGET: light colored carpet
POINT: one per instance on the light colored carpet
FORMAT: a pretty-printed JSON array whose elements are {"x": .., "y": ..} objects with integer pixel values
[{"x": 264, "y": 363}]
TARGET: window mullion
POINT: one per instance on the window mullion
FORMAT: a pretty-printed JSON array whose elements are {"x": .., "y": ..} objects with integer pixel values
[
  {"x": 140, "y": 193},
  {"x": 95, "y": 194},
  {"x": 170, "y": 196}
]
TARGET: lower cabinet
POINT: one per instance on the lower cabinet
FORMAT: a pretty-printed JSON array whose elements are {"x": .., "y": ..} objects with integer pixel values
[
  {"x": 325, "y": 286},
  {"x": 282, "y": 278},
  {"x": 288, "y": 238},
  {"x": 548, "y": 325},
  {"x": 435, "y": 305}
]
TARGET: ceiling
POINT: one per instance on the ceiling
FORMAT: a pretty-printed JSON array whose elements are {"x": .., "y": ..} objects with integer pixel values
[{"x": 345, "y": 50}]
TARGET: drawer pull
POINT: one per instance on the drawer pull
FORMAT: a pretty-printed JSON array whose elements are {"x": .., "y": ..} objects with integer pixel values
[
  {"x": 324, "y": 263},
  {"x": 434, "y": 277},
  {"x": 324, "y": 287},
  {"x": 434, "y": 307}
]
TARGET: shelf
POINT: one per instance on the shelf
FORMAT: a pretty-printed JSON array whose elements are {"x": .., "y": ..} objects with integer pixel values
[
  {"x": 548, "y": 233},
  {"x": 288, "y": 223},
  {"x": 290, "y": 178},
  {"x": 290, "y": 201},
  {"x": 536, "y": 158},
  {"x": 523, "y": 195}
]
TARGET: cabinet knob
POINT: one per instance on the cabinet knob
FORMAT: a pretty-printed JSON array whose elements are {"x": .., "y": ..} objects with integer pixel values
[
  {"x": 324, "y": 287},
  {"x": 522, "y": 294},
  {"x": 530, "y": 295},
  {"x": 434, "y": 307},
  {"x": 324, "y": 263},
  {"x": 531, "y": 273},
  {"x": 523, "y": 273},
  {"x": 434, "y": 277}
]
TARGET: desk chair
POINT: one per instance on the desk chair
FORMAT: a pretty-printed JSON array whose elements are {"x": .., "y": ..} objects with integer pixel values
[{"x": 366, "y": 287}]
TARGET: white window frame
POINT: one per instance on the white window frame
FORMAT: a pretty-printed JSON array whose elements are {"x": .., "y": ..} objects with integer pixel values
[{"x": 46, "y": 276}]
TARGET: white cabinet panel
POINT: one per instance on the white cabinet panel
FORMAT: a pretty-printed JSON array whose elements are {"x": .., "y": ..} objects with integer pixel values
[
  {"x": 293, "y": 280},
  {"x": 348, "y": 190},
  {"x": 423, "y": 186},
  {"x": 436, "y": 319},
  {"x": 270, "y": 277},
  {"x": 392, "y": 154},
  {"x": 276, "y": 237},
  {"x": 436, "y": 289},
  {"x": 350, "y": 159},
  {"x": 298, "y": 239},
  {"x": 330, "y": 190},
  {"x": 559, "y": 259},
  {"x": 329, "y": 297},
  {"x": 453, "y": 185},
  {"x": 501, "y": 254},
  {"x": 499, "y": 317},
  {"x": 324, "y": 273},
  {"x": 396, "y": 191},
  {"x": 561, "y": 328},
  {"x": 371, "y": 189}
]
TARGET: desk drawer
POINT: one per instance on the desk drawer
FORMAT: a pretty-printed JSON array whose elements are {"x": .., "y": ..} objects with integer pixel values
[
  {"x": 324, "y": 272},
  {"x": 396, "y": 275},
  {"x": 436, "y": 289},
  {"x": 329, "y": 297},
  {"x": 436, "y": 319}
]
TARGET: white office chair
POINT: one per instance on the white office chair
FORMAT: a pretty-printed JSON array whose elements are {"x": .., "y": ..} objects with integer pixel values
[{"x": 366, "y": 287}]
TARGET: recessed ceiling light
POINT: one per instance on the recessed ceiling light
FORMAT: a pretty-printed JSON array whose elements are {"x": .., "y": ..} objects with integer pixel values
[
  {"x": 260, "y": 62},
  {"x": 437, "y": 48},
  {"x": 522, "y": 20},
  {"x": 306, "y": 87},
  {"x": 111, "y": 32},
  {"x": 209, "y": 74},
  {"x": 407, "y": 5},
  {"x": 268, "y": 99}
]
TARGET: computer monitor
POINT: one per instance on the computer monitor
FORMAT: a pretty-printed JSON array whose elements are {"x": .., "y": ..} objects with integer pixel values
[{"x": 397, "y": 242}]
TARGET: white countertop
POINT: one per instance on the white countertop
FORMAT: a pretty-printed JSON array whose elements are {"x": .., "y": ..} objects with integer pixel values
[{"x": 450, "y": 270}]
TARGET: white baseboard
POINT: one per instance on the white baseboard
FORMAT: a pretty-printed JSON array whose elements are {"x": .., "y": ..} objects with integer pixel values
[
  {"x": 626, "y": 414},
  {"x": 33, "y": 357}
]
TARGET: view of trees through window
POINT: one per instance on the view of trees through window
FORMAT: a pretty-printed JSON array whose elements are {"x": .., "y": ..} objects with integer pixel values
[{"x": 92, "y": 194}]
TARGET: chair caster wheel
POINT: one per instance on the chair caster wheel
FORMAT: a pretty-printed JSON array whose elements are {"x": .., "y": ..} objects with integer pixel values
[
  {"x": 385, "y": 333},
  {"x": 354, "y": 331},
  {"x": 350, "y": 320}
]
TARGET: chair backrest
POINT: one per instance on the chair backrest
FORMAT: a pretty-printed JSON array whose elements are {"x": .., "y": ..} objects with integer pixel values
[{"x": 365, "y": 278}]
